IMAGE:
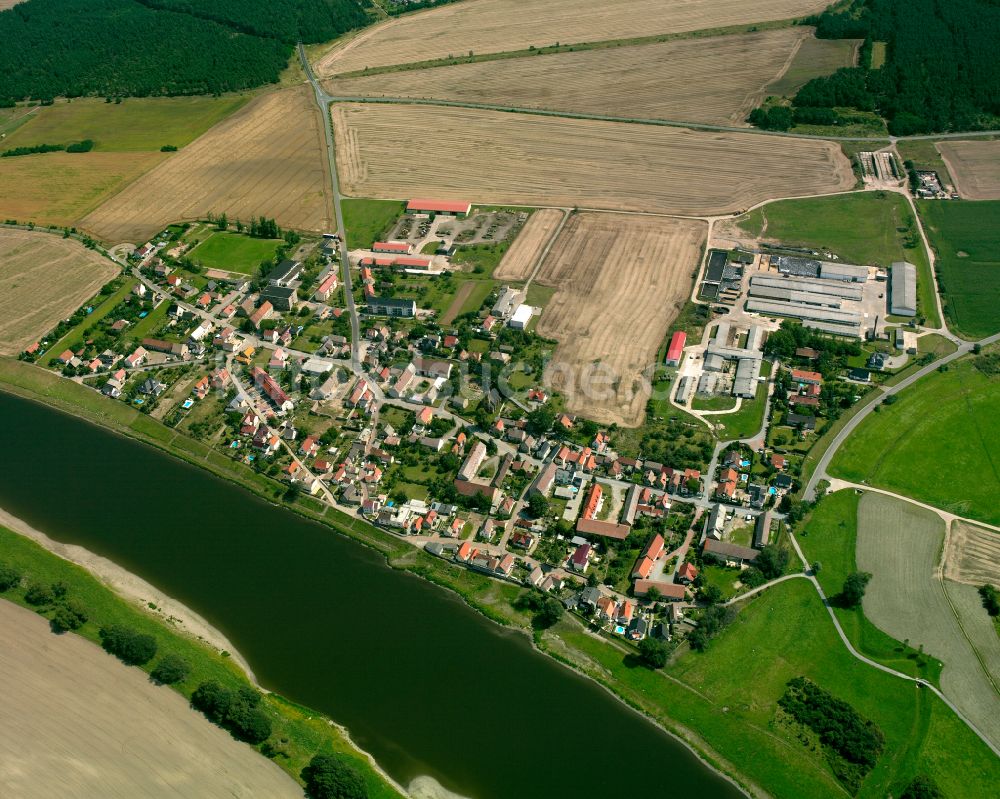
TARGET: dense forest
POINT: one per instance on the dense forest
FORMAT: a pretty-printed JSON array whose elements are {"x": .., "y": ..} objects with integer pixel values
[
  {"x": 941, "y": 71},
  {"x": 51, "y": 48}
]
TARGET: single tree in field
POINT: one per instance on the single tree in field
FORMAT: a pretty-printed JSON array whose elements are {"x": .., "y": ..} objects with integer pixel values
[
  {"x": 854, "y": 589},
  {"x": 329, "y": 777}
]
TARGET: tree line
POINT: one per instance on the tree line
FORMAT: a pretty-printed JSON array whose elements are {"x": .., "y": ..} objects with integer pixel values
[
  {"x": 52, "y": 48},
  {"x": 941, "y": 72}
]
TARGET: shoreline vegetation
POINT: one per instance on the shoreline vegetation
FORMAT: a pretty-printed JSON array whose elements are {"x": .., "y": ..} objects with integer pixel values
[{"x": 112, "y": 596}]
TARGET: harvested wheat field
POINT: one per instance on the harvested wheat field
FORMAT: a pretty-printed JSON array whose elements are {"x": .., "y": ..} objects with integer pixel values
[
  {"x": 59, "y": 188},
  {"x": 524, "y": 159},
  {"x": 899, "y": 544},
  {"x": 490, "y": 26},
  {"x": 975, "y": 166},
  {"x": 813, "y": 59},
  {"x": 620, "y": 281},
  {"x": 31, "y": 263},
  {"x": 267, "y": 159},
  {"x": 520, "y": 259},
  {"x": 79, "y": 723},
  {"x": 973, "y": 554},
  {"x": 690, "y": 79}
]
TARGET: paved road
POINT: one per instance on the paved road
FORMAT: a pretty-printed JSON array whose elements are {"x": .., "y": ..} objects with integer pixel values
[
  {"x": 323, "y": 100},
  {"x": 819, "y": 473},
  {"x": 665, "y": 123}
]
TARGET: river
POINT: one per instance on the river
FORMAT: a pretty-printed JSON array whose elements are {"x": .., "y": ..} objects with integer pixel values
[{"x": 423, "y": 683}]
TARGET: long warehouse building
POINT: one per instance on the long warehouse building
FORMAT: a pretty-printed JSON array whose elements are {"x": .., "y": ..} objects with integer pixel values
[
  {"x": 845, "y": 291},
  {"x": 903, "y": 289},
  {"x": 792, "y": 295},
  {"x": 831, "y": 315}
]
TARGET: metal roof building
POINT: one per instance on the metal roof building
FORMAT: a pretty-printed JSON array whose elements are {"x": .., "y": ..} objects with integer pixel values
[
  {"x": 797, "y": 311},
  {"x": 903, "y": 289},
  {"x": 745, "y": 382},
  {"x": 829, "y": 270},
  {"x": 812, "y": 285}
]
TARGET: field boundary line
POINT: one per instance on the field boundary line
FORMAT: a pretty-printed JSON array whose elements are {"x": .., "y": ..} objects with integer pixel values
[{"x": 548, "y": 247}]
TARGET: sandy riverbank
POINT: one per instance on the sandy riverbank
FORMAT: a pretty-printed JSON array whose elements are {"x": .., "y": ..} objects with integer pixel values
[{"x": 132, "y": 588}]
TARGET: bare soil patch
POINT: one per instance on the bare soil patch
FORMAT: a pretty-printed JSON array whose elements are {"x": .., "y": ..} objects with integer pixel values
[
  {"x": 592, "y": 81},
  {"x": 43, "y": 278},
  {"x": 79, "y": 723},
  {"x": 975, "y": 166},
  {"x": 267, "y": 159},
  {"x": 519, "y": 261},
  {"x": 524, "y": 159},
  {"x": 620, "y": 281},
  {"x": 973, "y": 554},
  {"x": 490, "y": 26},
  {"x": 456, "y": 304}
]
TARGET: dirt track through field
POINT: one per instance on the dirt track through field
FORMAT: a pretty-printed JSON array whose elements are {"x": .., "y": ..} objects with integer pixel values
[
  {"x": 31, "y": 265},
  {"x": 973, "y": 555},
  {"x": 522, "y": 256},
  {"x": 490, "y": 26},
  {"x": 975, "y": 167},
  {"x": 620, "y": 281},
  {"x": 77, "y": 723},
  {"x": 900, "y": 544},
  {"x": 691, "y": 79},
  {"x": 265, "y": 160},
  {"x": 524, "y": 159}
]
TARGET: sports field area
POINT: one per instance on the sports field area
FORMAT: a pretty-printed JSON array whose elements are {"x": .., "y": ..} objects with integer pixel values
[
  {"x": 31, "y": 264},
  {"x": 137, "y": 124},
  {"x": 910, "y": 447},
  {"x": 975, "y": 166},
  {"x": 861, "y": 227},
  {"x": 966, "y": 237},
  {"x": 523, "y": 159},
  {"x": 234, "y": 252},
  {"x": 900, "y": 545},
  {"x": 266, "y": 159},
  {"x": 485, "y": 26},
  {"x": 591, "y": 81},
  {"x": 614, "y": 273}
]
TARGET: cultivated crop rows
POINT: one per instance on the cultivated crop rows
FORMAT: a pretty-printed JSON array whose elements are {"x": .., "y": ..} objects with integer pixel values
[
  {"x": 32, "y": 264},
  {"x": 973, "y": 555},
  {"x": 489, "y": 26},
  {"x": 975, "y": 166},
  {"x": 534, "y": 160},
  {"x": 900, "y": 545},
  {"x": 265, "y": 160},
  {"x": 519, "y": 261},
  {"x": 692, "y": 80},
  {"x": 620, "y": 281}
]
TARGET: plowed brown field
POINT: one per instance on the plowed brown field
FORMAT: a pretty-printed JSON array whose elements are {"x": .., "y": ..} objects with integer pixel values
[
  {"x": 490, "y": 26},
  {"x": 620, "y": 281},
  {"x": 520, "y": 259},
  {"x": 267, "y": 159},
  {"x": 975, "y": 166},
  {"x": 31, "y": 265},
  {"x": 692, "y": 80},
  {"x": 973, "y": 555},
  {"x": 394, "y": 151}
]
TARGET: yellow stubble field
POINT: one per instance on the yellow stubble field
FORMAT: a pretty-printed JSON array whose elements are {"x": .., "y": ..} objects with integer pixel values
[
  {"x": 620, "y": 281},
  {"x": 267, "y": 159},
  {"x": 489, "y": 26},
  {"x": 393, "y": 151},
  {"x": 692, "y": 80}
]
